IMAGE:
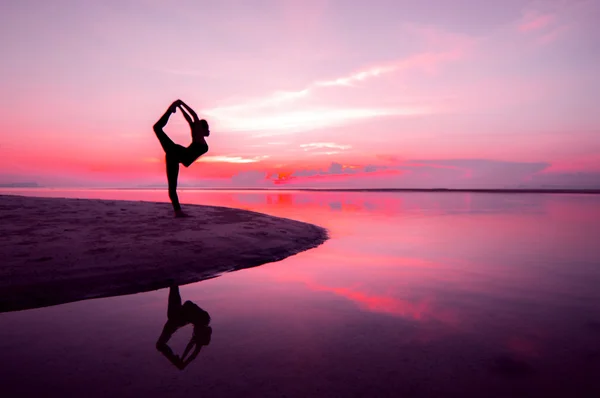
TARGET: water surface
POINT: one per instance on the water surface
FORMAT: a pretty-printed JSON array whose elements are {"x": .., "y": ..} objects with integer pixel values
[{"x": 415, "y": 294}]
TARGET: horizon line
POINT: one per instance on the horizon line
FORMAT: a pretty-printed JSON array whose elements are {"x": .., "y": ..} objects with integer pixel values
[{"x": 593, "y": 191}]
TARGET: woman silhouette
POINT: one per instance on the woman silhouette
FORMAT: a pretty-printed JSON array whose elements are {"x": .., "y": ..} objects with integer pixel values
[
  {"x": 178, "y": 316},
  {"x": 175, "y": 154}
]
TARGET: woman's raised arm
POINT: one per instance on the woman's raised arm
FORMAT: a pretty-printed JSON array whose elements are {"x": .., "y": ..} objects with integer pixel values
[{"x": 190, "y": 110}]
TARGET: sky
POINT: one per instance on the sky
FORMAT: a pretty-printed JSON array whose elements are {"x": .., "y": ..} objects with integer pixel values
[{"x": 308, "y": 93}]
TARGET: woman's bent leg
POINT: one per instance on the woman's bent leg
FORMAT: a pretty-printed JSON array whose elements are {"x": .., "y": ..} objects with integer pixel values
[{"x": 167, "y": 144}]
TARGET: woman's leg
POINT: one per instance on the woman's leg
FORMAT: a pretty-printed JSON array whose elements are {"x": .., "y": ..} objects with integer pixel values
[
  {"x": 174, "y": 303},
  {"x": 174, "y": 154},
  {"x": 167, "y": 144},
  {"x": 172, "y": 160},
  {"x": 158, "y": 127}
]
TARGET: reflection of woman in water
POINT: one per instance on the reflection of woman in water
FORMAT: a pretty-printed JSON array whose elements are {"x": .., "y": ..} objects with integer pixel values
[
  {"x": 178, "y": 316},
  {"x": 175, "y": 154}
]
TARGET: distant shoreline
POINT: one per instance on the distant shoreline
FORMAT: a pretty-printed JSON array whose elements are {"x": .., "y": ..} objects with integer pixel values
[{"x": 448, "y": 190}]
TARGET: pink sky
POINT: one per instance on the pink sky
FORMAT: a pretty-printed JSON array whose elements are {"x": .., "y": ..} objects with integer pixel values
[{"x": 312, "y": 93}]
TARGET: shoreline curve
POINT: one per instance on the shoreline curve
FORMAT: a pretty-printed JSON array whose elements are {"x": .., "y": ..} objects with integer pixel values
[{"x": 59, "y": 250}]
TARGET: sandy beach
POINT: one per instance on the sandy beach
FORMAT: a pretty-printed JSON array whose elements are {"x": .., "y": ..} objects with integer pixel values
[{"x": 62, "y": 250}]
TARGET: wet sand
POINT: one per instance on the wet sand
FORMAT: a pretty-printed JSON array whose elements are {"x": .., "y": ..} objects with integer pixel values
[{"x": 57, "y": 251}]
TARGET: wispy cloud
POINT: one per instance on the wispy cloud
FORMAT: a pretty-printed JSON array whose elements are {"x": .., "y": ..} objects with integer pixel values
[
  {"x": 442, "y": 173},
  {"x": 545, "y": 27},
  {"x": 426, "y": 61},
  {"x": 273, "y": 113},
  {"x": 532, "y": 22},
  {"x": 321, "y": 145},
  {"x": 232, "y": 159},
  {"x": 357, "y": 76},
  {"x": 553, "y": 34},
  {"x": 274, "y": 99},
  {"x": 309, "y": 119}
]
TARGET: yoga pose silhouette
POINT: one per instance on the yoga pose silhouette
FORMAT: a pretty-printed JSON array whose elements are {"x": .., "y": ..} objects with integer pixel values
[
  {"x": 175, "y": 154},
  {"x": 179, "y": 315}
]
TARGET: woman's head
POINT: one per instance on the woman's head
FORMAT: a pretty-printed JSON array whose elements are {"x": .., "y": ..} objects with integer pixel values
[{"x": 202, "y": 126}]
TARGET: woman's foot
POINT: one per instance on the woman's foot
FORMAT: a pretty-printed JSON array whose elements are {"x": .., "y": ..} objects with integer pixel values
[{"x": 180, "y": 214}]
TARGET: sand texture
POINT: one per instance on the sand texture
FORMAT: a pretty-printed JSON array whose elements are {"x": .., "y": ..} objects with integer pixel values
[{"x": 55, "y": 251}]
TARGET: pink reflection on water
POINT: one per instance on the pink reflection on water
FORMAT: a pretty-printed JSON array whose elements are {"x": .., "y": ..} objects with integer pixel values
[
  {"x": 434, "y": 281},
  {"x": 404, "y": 254},
  {"x": 378, "y": 285},
  {"x": 423, "y": 309}
]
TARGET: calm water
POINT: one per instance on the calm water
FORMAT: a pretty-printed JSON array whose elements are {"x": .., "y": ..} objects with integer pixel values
[{"x": 415, "y": 294}]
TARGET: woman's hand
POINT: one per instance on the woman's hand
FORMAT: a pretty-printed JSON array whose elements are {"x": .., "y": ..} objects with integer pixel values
[{"x": 174, "y": 105}]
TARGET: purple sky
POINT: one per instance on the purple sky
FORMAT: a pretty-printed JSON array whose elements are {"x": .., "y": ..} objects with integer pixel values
[{"x": 378, "y": 93}]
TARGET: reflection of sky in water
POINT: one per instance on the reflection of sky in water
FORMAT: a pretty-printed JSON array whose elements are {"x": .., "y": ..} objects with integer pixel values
[{"x": 494, "y": 295}]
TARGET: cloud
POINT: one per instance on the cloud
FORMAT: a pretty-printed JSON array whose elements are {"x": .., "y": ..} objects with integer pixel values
[
  {"x": 357, "y": 76},
  {"x": 545, "y": 27},
  {"x": 232, "y": 159},
  {"x": 250, "y": 178},
  {"x": 532, "y": 22},
  {"x": 321, "y": 145},
  {"x": 336, "y": 169},
  {"x": 566, "y": 180},
  {"x": 272, "y": 111},
  {"x": 325, "y": 153},
  {"x": 309, "y": 119},
  {"x": 429, "y": 173},
  {"x": 424, "y": 61},
  {"x": 553, "y": 34},
  {"x": 477, "y": 173},
  {"x": 274, "y": 99}
]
